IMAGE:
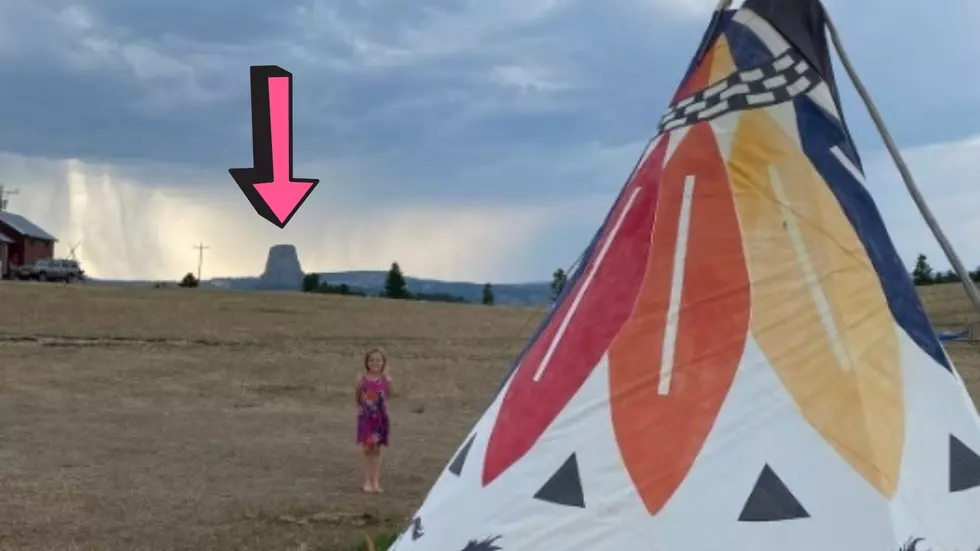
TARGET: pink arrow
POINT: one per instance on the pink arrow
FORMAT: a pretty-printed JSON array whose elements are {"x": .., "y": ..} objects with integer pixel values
[{"x": 269, "y": 185}]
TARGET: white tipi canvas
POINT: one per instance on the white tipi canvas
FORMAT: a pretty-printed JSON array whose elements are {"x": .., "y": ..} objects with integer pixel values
[{"x": 741, "y": 361}]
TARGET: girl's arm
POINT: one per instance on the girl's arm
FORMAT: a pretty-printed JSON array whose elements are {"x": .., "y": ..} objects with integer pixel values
[
  {"x": 391, "y": 388},
  {"x": 357, "y": 392}
]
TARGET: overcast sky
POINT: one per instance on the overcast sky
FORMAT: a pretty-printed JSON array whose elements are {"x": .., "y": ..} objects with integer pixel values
[{"x": 466, "y": 139}]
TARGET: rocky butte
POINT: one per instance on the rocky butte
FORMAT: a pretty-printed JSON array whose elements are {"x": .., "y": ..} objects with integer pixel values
[{"x": 282, "y": 270}]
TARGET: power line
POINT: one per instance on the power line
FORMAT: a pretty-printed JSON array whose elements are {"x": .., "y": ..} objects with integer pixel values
[
  {"x": 4, "y": 193},
  {"x": 200, "y": 258}
]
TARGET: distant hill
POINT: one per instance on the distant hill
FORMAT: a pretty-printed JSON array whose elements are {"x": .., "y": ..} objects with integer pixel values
[{"x": 372, "y": 283}]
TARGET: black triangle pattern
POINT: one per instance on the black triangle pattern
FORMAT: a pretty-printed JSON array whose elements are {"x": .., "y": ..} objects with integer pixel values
[
  {"x": 771, "y": 501},
  {"x": 964, "y": 466},
  {"x": 565, "y": 486},
  {"x": 456, "y": 467}
]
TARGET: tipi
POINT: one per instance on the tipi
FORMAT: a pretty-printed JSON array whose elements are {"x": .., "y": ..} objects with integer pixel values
[{"x": 741, "y": 360}]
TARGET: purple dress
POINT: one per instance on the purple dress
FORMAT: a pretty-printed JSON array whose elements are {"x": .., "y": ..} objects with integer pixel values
[{"x": 372, "y": 412}]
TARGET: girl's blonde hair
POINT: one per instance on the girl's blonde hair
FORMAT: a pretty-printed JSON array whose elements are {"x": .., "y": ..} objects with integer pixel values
[{"x": 376, "y": 350}]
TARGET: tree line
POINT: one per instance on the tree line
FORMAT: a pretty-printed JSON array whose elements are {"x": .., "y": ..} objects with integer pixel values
[
  {"x": 924, "y": 274},
  {"x": 395, "y": 287}
]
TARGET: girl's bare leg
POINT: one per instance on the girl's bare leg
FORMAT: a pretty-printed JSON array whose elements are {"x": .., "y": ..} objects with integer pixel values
[
  {"x": 368, "y": 468},
  {"x": 376, "y": 473}
]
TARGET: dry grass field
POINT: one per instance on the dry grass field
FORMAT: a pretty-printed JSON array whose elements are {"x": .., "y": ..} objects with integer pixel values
[{"x": 200, "y": 419}]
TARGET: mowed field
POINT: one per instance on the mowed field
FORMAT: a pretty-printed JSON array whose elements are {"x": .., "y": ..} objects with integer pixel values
[{"x": 203, "y": 419}]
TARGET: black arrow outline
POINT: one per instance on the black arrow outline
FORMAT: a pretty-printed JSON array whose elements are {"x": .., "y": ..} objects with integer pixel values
[{"x": 261, "y": 170}]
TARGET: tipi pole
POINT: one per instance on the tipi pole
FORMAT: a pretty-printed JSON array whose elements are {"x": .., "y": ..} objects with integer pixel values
[{"x": 954, "y": 259}]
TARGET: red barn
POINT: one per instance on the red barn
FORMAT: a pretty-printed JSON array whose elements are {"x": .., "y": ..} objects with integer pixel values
[
  {"x": 4, "y": 242},
  {"x": 27, "y": 242}
]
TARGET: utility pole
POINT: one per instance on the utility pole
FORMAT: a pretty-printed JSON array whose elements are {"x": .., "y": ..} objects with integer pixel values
[
  {"x": 200, "y": 258},
  {"x": 4, "y": 193}
]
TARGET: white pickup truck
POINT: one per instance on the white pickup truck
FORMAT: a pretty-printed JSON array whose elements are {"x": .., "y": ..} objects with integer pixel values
[{"x": 52, "y": 269}]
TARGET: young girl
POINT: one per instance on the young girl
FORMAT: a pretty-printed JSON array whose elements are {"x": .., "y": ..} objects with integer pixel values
[{"x": 371, "y": 392}]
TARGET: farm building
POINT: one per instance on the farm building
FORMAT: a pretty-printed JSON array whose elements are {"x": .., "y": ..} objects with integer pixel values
[
  {"x": 4, "y": 243},
  {"x": 26, "y": 242}
]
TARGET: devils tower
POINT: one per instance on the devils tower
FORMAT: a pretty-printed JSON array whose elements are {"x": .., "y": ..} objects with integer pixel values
[{"x": 282, "y": 269}]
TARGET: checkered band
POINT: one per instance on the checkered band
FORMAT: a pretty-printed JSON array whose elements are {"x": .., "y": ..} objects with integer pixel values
[{"x": 775, "y": 82}]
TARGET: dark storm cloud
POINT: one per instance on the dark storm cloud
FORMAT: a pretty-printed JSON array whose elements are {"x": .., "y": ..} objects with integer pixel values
[{"x": 449, "y": 99}]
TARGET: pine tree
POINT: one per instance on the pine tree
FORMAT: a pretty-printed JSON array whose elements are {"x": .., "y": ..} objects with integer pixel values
[
  {"x": 922, "y": 272},
  {"x": 189, "y": 281},
  {"x": 395, "y": 286},
  {"x": 558, "y": 281},
  {"x": 488, "y": 295},
  {"x": 311, "y": 282}
]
